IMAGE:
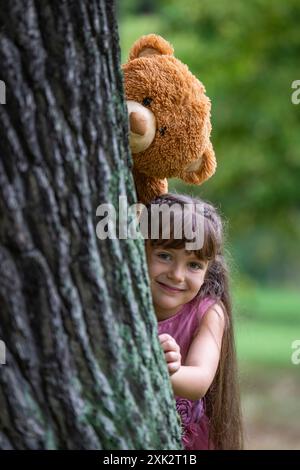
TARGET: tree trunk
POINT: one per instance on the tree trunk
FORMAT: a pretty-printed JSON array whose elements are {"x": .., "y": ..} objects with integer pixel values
[{"x": 84, "y": 369}]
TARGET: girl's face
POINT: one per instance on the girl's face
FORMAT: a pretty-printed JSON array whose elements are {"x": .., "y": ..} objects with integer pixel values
[{"x": 176, "y": 276}]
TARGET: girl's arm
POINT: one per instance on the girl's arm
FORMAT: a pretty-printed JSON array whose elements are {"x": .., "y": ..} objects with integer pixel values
[{"x": 194, "y": 378}]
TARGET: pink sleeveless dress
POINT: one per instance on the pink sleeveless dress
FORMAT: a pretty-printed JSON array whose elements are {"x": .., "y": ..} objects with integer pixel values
[{"x": 183, "y": 326}]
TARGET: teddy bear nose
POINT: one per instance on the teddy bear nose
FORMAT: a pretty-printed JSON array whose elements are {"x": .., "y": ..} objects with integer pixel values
[
  {"x": 142, "y": 125},
  {"x": 138, "y": 124}
]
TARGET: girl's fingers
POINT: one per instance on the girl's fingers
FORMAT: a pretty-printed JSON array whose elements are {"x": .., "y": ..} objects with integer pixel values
[
  {"x": 172, "y": 356},
  {"x": 165, "y": 337},
  {"x": 172, "y": 352},
  {"x": 170, "y": 345},
  {"x": 173, "y": 367}
]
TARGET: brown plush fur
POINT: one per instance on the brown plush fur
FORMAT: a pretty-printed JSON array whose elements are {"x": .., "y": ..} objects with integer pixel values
[{"x": 180, "y": 107}]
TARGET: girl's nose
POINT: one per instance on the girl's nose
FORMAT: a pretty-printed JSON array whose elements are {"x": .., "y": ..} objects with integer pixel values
[{"x": 176, "y": 273}]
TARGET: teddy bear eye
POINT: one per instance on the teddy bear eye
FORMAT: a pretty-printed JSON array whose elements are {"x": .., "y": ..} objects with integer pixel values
[
  {"x": 162, "y": 130},
  {"x": 147, "y": 101}
]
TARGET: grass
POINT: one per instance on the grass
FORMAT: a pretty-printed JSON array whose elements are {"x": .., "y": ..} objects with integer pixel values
[
  {"x": 266, "y": 326},
  {"x": 261, "y": 343}
]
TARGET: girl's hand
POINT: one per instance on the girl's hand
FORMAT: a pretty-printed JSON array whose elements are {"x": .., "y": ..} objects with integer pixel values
[{"x": 172, "y": 352}]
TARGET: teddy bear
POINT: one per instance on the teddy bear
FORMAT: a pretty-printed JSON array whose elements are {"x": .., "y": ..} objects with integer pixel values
[{"x": 169, "y": 119}]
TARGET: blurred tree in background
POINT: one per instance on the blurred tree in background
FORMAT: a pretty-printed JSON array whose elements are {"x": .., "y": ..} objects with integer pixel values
[{"x": 247, "y": 55}]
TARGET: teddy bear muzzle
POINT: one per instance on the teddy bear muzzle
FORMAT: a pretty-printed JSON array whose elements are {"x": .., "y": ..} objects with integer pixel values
[{"x": 142, "y": 126}]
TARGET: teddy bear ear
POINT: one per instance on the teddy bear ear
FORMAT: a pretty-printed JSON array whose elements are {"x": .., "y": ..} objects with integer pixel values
[
  {"x": 148, "y": 45},
  {"x": 205, "y": 167}
]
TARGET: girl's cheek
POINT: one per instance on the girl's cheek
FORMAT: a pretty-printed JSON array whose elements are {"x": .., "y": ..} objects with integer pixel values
[{"x": 153, "y": 268}]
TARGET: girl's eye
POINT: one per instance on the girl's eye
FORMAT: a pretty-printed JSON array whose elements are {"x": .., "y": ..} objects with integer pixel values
[
  {"x": 164, "y": 256},
  {"x": 196, "y": 266}
]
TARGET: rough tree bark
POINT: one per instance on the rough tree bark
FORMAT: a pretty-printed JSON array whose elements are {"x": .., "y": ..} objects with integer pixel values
[{"x": 84, "y": 369}]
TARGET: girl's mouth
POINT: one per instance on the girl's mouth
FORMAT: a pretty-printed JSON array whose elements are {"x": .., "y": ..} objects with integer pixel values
[{"x": 169, "y": 288}]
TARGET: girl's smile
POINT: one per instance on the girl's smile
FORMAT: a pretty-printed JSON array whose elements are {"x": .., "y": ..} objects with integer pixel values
[
  {"x": 176, "y": 276},
  {"x": 169, "y": 288}
]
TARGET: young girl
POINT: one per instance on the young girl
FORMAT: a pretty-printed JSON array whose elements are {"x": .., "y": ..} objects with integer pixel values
[{"x": 192, "y": 304}]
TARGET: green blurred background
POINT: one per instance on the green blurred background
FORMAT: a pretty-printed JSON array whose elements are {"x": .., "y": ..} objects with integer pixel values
[{"x": 247, "y": 55}]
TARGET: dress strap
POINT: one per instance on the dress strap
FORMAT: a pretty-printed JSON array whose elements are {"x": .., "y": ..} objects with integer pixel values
[{"x": 205, "y": 305}]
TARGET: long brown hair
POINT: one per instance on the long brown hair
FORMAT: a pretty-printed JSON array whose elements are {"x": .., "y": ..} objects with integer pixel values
[{"x": 222, "y": 400}]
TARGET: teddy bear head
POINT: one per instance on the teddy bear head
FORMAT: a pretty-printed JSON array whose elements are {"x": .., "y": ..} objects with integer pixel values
[{"x": 169, "y": 114}]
